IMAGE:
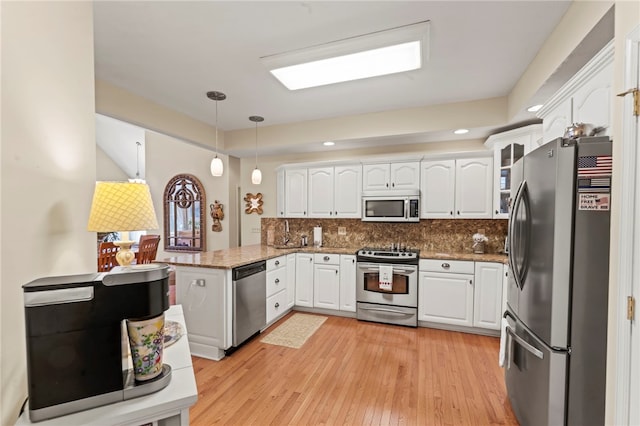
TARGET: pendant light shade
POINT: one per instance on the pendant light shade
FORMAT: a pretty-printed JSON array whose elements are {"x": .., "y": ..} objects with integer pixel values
[
  {"x": 256, "y": 175},
  {"x": 217, "y": 167},
  {"x": 216, "y": 164}
]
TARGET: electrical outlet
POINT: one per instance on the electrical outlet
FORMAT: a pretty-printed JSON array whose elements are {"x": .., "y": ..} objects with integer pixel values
[{"x": 342, "y": 230}]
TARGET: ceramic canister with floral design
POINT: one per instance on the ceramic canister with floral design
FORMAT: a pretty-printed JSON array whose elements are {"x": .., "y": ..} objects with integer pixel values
[{"x": 146, "y": 340}]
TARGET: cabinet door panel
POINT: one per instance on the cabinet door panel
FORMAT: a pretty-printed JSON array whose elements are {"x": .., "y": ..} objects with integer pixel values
[
  {"x": 348, "y": 283},
  {"x": 591, "y": 103},
  {"x": 295, "y": 199},
  {"x": 438, "y": 189},
  {"x": 405, "y": 175},
  {"x": 326, "y": 288},
  {"x": 487, "y": 304},
  {"x": 446, "y": 298},
  {"x": 304, "y": 280},
  {"x": 320, "y": 192},
  {"x": 375, "y": 177},
  {"x": 474, "y": 189},
  {"x": 347, "y": 191}
]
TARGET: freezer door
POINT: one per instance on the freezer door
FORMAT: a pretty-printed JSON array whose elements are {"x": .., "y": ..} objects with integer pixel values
[
  {"x": 535, "y": 376},
  {"x": 540, "y": 233}
]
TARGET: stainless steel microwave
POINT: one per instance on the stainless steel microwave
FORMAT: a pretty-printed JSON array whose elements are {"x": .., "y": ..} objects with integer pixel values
[{"x": 391, "y": 206}]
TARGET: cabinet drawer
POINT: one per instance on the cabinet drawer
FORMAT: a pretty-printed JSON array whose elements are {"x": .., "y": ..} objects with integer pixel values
[
  {"x": 276, "y": 305},
  {"x": 455, "y": 266},
  {"x": 328, "y": 259},
  {"x": 276, "y": 281},
  {"x": 276, "y": 262}
]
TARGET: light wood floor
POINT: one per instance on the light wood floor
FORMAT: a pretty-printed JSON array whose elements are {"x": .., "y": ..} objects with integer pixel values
[{"x": 353, "y": 372}]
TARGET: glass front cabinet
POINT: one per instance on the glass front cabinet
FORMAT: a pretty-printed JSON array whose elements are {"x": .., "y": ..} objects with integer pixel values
[{"x": 508, "y": 147}]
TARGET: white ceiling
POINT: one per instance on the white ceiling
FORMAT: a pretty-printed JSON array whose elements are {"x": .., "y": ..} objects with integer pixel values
[{"x": 173, "y": 52}]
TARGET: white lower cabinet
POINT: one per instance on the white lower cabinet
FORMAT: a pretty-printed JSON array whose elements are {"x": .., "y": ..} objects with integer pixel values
[
  {"x": 348, "y": 283},
  {"x": 446, "y": 297},
  {"x": 326, "y": 281},
  {"x": 304, "y": 280},
  {"x": 461, "y": 293},
  {"x": 205, "y": 295},
  {"x": 276, "y": 288},
  {"x": 487, "y": 297},
  {"x": 291, "y": 280}
]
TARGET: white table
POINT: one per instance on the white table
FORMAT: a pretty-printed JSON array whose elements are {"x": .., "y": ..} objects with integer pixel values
[{"x": 169, "y": 406}]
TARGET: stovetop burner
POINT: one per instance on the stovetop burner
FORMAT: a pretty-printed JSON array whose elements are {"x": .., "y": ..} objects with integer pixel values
[{"x": 388, "y": 255}]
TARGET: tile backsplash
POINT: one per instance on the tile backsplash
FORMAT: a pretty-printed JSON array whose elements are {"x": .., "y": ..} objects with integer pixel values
[{"x": 440, "y": 235}]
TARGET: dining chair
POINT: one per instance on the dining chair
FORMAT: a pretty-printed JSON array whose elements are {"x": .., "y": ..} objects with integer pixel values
[
  {"x": 147, "y": 248},
  {"x": 107, "y": 256}
]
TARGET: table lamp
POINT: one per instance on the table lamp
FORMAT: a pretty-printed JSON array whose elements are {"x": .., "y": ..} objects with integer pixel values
[{"x": 122, "y": 207}]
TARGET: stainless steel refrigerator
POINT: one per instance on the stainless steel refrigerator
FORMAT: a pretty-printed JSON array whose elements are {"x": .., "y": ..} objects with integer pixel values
[{"x": 555, "y": 332}]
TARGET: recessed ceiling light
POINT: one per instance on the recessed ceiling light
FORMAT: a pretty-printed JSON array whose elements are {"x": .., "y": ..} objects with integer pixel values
[
  {"x": 328, "y": 143},
  {"x": 534, "y": 108},
  {"x": 461, "y": 131},
  {"x": 384, "y": 52}
]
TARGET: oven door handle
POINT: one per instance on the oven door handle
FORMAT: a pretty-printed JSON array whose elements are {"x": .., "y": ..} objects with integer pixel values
[
  {"x": 396, "y": 269},
  {"x": 390, "y": 311}
]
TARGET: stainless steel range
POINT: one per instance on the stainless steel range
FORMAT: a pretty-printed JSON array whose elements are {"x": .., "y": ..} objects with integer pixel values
[{"x": 387, "y": 285}]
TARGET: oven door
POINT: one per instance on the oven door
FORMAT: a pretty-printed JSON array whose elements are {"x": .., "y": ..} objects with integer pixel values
[{"x": 403, "y": 290}]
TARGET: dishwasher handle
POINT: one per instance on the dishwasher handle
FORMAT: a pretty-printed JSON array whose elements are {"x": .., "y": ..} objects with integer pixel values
[{"x": 247, "y": 270}]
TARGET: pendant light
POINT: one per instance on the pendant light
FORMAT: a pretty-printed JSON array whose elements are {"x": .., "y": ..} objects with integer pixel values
[
  {"x": 216, "y": 164},
  {"x": 256, "y": 175},
  {"x": 137, "y": 178}
]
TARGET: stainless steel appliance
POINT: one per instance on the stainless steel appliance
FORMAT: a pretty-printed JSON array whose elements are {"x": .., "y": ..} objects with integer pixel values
[
  {"x": 556, "y": 336},
  {"x": 249, "y": 300},
  {"x": 76, "y": 343},
  {"x": 387, "y": 285},
  {"x": 391, "y": 206}
]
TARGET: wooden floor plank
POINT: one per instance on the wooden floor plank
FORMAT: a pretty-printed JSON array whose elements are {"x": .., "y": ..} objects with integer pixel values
[{"x": 355, "y": 373}]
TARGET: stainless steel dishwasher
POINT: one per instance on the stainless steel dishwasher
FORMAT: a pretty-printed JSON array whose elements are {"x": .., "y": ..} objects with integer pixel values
[{"x": 249, "y": 300}]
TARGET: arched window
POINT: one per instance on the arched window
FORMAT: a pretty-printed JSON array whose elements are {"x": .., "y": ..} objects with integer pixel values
[{"x": 184, "y": 214}]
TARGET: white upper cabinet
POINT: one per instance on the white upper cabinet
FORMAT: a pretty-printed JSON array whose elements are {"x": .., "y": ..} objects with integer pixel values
[
  {"x": 280, "y": 193},
  {"x": 347, "y": 190},
  {"x": 334, "y": 192},
  {"x": 295, "y": 198},
  {"x": 473, "y": 188},
  {"x": 383, "y": 176},
  {"x": 438, "y": 185},
  {"x": 458, "y": 188},
  {"x": 508, "y": 147},
  {"x": 321, "y": 192},
  {"x": 585, "y": 98}
]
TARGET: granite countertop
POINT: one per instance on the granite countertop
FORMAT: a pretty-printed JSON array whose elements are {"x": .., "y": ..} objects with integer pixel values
[{"x": 238, "y": 256}]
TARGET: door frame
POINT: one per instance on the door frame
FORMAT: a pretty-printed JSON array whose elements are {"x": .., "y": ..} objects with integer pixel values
[{"x": 628, "y": 264}]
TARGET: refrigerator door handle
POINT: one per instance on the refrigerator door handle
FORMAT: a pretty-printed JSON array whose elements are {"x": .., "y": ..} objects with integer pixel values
[
  {"x": 536, "y": 352},
  {"x": 521, "y": 199}
]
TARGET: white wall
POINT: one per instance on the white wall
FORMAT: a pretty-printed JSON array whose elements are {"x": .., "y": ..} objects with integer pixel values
[
  {"x": 107, "y": 169},
  {"x": 48, "y": 164},
  {"x": 166, "y": 157}
]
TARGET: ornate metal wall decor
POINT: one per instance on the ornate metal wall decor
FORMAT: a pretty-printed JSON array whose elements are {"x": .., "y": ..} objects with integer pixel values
[
  {"x": 217, "y": 214},
  {"x": 184, "y": 214},
  {"x": 254, "y": 203}
]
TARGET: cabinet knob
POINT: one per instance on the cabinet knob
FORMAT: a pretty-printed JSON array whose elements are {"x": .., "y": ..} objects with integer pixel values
[
  {"x": 387, "y": 184},
  {"x": 497, "y": 212},
  {"x": 336, "y": 272},
  {"x": 326, "y": 258},
  {"x": 353, "y": 261},
  {"x": 330, "y": 213},
  {"x": 277, "y": 262},
  {"x": 277, "y": 305},
  {"x": 393, "y": 184},
  {"x": 446, "y": 266},
  {"x": 458, "y": 212},
  {"x": 277, "y": 280},
  {"x": 470, "y": 282},
  {"x": 336, "y": 213},
  {"x": 451, "y": 213}
]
